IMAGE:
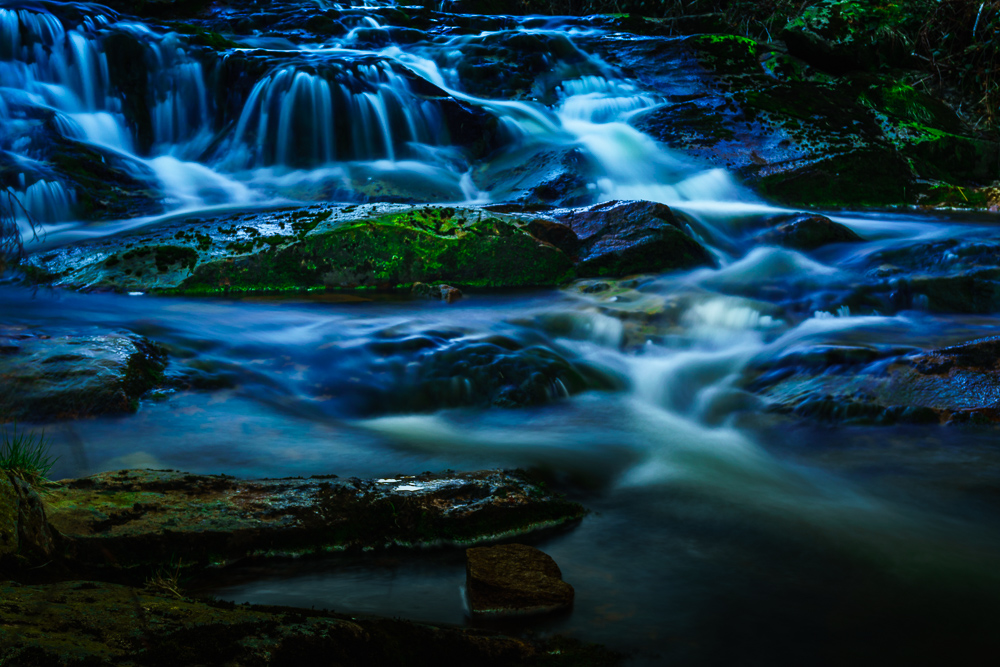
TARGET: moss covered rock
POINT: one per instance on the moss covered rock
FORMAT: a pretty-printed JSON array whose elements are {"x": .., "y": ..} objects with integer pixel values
[{"x": 322, "y": 247}]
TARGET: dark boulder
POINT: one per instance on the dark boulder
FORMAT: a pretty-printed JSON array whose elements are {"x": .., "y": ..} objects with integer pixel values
[{"x": 620, "y": 238}]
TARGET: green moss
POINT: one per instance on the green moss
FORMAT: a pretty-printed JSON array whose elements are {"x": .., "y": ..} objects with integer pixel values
[
  {"x": 396, "y": 250},
  {"x": 728, "y": 54}
]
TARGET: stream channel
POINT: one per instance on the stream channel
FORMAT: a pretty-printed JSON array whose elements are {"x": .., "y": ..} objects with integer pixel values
[{"x": 721, "y": 531}]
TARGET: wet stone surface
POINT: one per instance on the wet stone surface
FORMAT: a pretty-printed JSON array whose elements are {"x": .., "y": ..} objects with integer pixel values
[
  {"x": 67, "y": 376},
  {"x": 955, "y": 384}
]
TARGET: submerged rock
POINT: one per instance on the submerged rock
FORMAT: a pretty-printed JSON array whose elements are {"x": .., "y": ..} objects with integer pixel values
[
  {"x": 133, "y": 518},
  {"x": 953, "y": 384},
  {"x": 806, "y": 231},
  {"x": 74, "y": 375},
  {"x": 436, "y": 370},
  {"x": 84, "y": 622},
  {"x": 514, "y": 580}
]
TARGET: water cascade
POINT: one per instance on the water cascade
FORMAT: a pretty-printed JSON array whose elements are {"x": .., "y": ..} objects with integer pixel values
[{"x": 681, "y": 406}]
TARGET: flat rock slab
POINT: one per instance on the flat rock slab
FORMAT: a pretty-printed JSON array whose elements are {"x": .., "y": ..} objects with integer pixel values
[
  {"x": 46, "y": 377},
  {"x": 94, "y": 623},
  {"x": 136, "y": 518},
  {"x": 514, "y": 580}
]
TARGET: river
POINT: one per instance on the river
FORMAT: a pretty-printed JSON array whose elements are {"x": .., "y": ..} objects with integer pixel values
[{"x": 720, "y": 533}]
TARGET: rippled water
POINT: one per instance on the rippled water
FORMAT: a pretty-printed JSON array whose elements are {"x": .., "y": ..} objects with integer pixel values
[{"x": 720, "y": 533}]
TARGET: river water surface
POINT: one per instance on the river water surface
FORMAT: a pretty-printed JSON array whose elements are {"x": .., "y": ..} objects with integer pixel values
[{"x": 721, "y": 533}]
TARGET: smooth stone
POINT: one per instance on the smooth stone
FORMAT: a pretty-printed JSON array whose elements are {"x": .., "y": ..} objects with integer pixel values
[{"x": 514, "y": 580}]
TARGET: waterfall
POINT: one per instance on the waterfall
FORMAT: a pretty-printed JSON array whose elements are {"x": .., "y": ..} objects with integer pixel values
[{"x": 300, "y": 118}]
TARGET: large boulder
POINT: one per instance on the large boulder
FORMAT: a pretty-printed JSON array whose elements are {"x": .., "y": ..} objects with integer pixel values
[
  {"x": 514, "y": 580},
  {"x": 72, "y": 375}
]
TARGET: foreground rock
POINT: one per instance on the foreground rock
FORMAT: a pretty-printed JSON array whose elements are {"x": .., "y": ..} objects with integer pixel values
[
  {"x": 950, "y": 385},
  {"x": 375, "y": 247},
  {"x": 70, "y": 376},
  {"x": 132, "y": 519},
  {"x": 98, "y": 623},
  {"x": 514, "y": 580}
]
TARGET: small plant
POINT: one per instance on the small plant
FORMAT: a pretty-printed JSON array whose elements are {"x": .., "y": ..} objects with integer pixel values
[
  {"x": 167, "y": 579},
  {"x": 25, "y": 455}
]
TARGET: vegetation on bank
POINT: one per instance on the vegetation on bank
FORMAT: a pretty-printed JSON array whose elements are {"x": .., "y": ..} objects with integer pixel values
[
  {"x": 954, "y": 44},
  {"x": 25, "y": 455}
]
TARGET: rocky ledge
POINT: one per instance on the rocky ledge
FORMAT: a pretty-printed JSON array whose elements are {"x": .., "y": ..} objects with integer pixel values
[{"x": 124, "y": 523}]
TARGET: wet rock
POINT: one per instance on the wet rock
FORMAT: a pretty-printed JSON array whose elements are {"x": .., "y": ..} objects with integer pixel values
[
  {"x": 620, "y": 238},
  {"x": 132, "y": 518},
  {"x": 953, "y": 384},
  {"x": 68, "y": 376},
  {"x": 26, "y": 539},
  {"x": 322, "y": 247},
  {"x": 805, "y": 231},
  {"x": 86, "y": 622},
  {"x": 514, "y": 580},
  {"x": 445, "y": 293}
]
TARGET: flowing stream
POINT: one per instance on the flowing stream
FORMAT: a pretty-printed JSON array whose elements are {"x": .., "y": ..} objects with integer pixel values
[{"x": 720, "y": 532}]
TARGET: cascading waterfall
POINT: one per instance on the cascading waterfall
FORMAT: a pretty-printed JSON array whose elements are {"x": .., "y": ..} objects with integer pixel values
[{"x": 297, "y": 118}]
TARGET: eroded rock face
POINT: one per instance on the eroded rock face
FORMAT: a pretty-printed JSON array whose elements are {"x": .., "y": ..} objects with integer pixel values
[
  {"x": 26, "y": 538},
  {"x": 86, "y": 622},
  {"x": 514, "y": 580},
  {"x": 44, "y": 378},
  {"x": 625, "y": 237},
  {"x": 131, "y": 518}
]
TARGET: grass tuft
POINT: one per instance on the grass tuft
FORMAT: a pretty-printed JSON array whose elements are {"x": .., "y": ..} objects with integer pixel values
[
  {"x": 167, "y": 580},
  {"x": 25, "y": 455}
]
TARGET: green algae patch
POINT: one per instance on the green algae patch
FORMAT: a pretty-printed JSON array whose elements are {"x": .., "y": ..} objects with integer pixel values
[
  {"x": 138, "y": 519},
  {"x": 94, "y": 623},
  {"x": 395, "y": 250},
  {"x": 953, "y": 196}
]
